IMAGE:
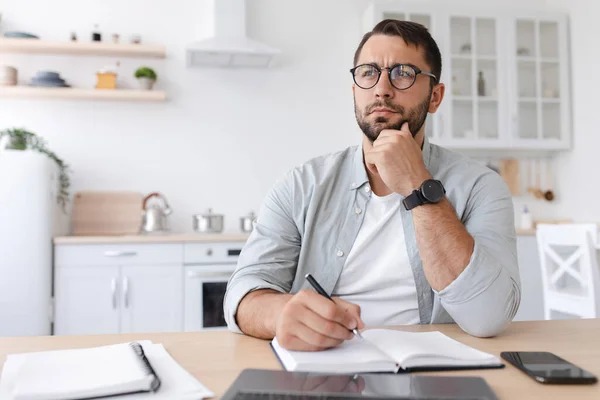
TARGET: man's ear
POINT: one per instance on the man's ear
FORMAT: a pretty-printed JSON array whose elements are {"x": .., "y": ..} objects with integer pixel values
[{"x": 437, "y": 95}]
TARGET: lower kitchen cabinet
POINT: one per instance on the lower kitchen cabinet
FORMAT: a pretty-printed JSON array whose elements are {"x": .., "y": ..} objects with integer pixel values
[
  {"x": 125, "y": 299},
  {"x": 152, "y": 298},
  {"x": 86, "y": 300},
  {"x": 118, "y": 289}
]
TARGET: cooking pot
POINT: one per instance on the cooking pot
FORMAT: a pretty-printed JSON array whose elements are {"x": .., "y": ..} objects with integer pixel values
[
  {"x": 247, "y": 222},
  {"x": 208, "y": 222}
]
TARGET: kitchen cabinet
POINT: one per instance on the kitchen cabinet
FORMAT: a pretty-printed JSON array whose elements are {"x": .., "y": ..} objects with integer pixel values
[
  {"x": 86, "y": 300},
  {"x": 152, "y": 298},
  {"x": 118, "y": 288},
  {"x": 506, "y": 74}
]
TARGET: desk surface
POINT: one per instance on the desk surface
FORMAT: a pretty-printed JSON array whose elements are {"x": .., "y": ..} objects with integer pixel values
[{"x": 216, "y": 358}]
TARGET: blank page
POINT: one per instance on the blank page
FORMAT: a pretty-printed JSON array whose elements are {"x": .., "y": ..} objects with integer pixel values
[
  {"x": 71, "y": 374},
  {"x": 351, "y": 356},
  {"x": 412, "y": 349}
]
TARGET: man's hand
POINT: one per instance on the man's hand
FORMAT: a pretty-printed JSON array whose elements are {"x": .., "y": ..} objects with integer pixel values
[
  {"x": 396, "y": 157},
  {"x": 311, "y": 322}
]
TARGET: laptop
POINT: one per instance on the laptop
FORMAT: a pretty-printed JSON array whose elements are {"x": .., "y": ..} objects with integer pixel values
[{"x": 260, "y": 384}]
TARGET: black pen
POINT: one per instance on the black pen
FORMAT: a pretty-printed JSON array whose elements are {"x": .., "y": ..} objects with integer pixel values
[{"x": 313, "y": 282}]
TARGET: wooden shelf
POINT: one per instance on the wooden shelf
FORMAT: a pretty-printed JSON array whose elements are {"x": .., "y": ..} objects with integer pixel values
[
  {"x": 36, "y": 46},
  {"x": 81, "y": 94}
]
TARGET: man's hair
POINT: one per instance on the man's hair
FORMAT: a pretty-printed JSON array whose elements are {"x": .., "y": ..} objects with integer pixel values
[{"x": 413, "y": 34}]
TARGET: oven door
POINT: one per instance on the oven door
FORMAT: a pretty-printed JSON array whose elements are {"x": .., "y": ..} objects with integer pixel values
[{"x": 205, "y": 287}]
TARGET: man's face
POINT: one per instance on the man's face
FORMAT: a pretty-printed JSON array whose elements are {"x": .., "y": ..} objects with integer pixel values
[{"x": 384, "y": 106}]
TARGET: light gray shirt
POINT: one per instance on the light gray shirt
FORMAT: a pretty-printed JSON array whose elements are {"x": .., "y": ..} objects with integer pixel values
[{"x": 309, "y": 220}]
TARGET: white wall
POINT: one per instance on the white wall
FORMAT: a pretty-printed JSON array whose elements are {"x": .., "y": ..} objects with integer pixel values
[
  {"x": 580, "y": 188},
  {"x": 224, "y": 136}
]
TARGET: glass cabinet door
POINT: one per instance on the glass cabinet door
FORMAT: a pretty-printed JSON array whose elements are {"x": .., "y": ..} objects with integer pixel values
[
  {"x": 473, "y": 89},
  {"x": 539, "y": 82}
]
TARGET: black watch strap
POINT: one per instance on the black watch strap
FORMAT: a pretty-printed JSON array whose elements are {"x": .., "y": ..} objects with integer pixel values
[{"x": 413, "y": 200}]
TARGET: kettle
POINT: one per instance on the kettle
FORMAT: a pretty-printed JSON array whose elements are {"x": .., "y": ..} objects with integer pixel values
[{"x": 155, "y": 214}]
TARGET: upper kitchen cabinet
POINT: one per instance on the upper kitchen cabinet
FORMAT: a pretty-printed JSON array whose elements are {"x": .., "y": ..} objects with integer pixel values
[
  {"x": 506, "y": 75},
  {"x": 540, "y": 101}
]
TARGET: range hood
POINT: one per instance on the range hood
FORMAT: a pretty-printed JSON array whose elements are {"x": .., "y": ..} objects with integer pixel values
[{"x": 229, "y": 46}]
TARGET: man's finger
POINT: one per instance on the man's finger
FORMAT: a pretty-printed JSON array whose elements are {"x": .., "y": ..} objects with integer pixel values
[
  {"x": 406, "y": 128},
  {"x": 315, "y": 339},
  {"x": 323, "y": 326},
  {"x": 352, "y": 309},
  {"x": 329, "y": 310}
]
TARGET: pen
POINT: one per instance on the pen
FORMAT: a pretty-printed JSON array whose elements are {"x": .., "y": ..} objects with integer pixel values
[{"x": 313, "y": 282}]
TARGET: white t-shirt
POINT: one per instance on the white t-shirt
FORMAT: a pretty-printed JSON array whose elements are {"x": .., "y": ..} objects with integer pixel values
[{"x": 377, "y": 275}]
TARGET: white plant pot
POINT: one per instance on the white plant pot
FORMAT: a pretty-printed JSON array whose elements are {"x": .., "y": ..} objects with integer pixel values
[{"x": 146, "y": 83}]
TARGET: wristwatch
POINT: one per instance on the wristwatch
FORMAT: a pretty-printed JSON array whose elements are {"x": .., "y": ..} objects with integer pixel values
[{"x": 431, "y": 191}]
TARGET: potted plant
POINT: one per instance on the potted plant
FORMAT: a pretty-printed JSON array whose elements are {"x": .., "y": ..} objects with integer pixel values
[
  {"x": 146, "y": 77},
  {"x": 20, "y": 139}
]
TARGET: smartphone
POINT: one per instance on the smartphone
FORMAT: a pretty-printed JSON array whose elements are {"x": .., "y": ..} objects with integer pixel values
[{"x": 546, "y": 367}]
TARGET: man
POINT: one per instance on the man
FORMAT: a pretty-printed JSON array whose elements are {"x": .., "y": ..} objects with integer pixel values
[{"x": 397, "y": 231}]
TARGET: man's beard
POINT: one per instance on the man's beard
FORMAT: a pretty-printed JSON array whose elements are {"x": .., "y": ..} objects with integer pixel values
[{"x": 415, "y": 118}]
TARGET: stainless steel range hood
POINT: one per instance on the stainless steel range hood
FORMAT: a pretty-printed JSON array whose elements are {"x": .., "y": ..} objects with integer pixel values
[{"x": 229, "y": 46}]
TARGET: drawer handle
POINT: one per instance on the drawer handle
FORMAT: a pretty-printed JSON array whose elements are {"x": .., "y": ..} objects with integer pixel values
[{"x": 120, "y": 253}]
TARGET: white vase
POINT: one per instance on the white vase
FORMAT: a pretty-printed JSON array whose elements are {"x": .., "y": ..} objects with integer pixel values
[{"x": 146, "y": 83}]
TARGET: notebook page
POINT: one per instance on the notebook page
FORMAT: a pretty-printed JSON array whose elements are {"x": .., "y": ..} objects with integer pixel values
[
  {"x": 353, "y": 355},
  {"x": 426, "y": 348},
  {"x": 81, "y": 373}
]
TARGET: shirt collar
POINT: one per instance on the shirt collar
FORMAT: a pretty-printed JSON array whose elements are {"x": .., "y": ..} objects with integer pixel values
[{"x": 359, "y": 175}]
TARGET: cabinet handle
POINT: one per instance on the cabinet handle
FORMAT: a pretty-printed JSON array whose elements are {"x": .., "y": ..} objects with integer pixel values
[
  {"x": 126, "y": 292},
  {"x": 441, "y": 126},
  {"x": 113, "y": 288},
  {"x": 120, "y": 253}
]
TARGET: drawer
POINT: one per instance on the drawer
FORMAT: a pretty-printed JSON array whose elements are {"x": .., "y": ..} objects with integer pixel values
[
  {"x": 204, "y": 253},
  {"x": 118, "y": 254}
]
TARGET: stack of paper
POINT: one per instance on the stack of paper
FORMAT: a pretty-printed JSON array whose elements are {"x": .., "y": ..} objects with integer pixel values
[{"x": 79, "y": 373}]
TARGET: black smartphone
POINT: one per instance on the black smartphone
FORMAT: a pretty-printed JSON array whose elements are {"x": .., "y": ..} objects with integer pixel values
[{"x": 546, "y": 367}]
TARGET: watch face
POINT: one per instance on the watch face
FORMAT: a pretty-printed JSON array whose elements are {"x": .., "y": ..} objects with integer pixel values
[{"x": 432, "y": 190}]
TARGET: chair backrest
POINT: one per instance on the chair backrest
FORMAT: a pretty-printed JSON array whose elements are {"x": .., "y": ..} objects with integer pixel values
[{"x": 556, "y": 267}]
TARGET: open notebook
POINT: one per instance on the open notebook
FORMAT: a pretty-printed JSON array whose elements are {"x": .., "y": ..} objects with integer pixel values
[
  {"x": 385, "y": 350},
  {"x": 128, "y": 371}
]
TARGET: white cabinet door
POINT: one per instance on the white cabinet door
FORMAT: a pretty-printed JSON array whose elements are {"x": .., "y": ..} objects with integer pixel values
[
  {"x": 151, "y": 298},
  {"x": 86, "y": 300},
  {"x": 540, "y": 103}
]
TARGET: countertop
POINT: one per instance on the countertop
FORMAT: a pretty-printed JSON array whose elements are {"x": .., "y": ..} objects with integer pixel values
[
  {"x": 180, "y": 238},
  {"x": 153, "y": 238}
]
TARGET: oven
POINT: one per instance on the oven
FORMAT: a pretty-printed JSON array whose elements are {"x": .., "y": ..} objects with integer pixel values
[{"x": 207, "y": 268}]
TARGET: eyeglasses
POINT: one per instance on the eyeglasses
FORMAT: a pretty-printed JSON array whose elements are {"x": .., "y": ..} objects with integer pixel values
[{"x": 402, "y": 76}]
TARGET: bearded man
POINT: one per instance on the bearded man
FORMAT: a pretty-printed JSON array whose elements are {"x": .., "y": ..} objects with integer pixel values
[{"x": 397, "y": 230}]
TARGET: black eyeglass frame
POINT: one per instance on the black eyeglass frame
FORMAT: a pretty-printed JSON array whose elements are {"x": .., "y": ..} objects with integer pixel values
[{"x": 379, "y": 69}]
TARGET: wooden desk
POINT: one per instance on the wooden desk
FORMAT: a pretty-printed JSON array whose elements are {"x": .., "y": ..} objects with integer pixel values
[{"x": 216, "y": 358}]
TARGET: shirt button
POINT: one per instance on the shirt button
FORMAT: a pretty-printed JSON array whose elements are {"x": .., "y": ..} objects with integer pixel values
[
  {"x": 367, "y": 189},
  {"x": 353, "y": 184},
  {"x": 340, "y": 253},
  {"x": 357, "y": 210}
]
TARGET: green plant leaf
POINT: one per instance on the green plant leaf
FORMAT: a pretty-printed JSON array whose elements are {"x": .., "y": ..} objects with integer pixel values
[{"x": 21, "y": 139}]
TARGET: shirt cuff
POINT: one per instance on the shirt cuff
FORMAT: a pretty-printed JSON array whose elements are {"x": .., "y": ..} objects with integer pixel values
[
  {"x": 479, "y": 274},
  {"x": 236, "y": 293}
]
